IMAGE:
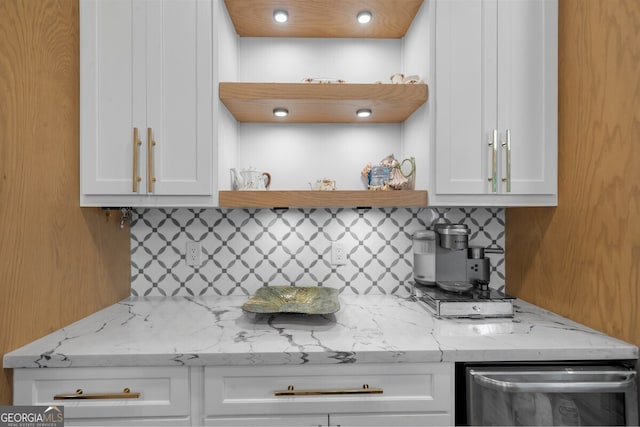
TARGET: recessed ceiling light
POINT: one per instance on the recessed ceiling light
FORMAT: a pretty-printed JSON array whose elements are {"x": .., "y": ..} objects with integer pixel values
[
  {"x": 363, "y": 113},
  {"x": 364, "y": 17},
  {"x": 280, "y": 112},
  {"x": 280, "y": 15}
]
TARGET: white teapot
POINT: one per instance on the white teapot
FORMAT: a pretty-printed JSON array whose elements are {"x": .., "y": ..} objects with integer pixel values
[{"x": 250, "y": 180}]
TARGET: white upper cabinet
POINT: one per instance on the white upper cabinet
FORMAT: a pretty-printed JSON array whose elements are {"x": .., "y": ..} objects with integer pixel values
[
  {"x": 172, "y": 97},
  {"x": 495, "y": 95},
  {"x": 146, "y": 89}
]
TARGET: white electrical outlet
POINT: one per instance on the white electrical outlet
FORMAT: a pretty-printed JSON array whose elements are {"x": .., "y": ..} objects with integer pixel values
[
  {"x": 338, "y": 253},
  {"x": 194, "y": 253}
]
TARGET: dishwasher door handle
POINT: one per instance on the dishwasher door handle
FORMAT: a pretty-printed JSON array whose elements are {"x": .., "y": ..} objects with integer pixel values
[{"x": 492, "y": 380}]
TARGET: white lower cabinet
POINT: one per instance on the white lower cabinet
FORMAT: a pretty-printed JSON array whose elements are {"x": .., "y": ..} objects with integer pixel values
[
  {"x": 163, "y": 394},
  {"x": 368, "y": 394},
  {"x": 401, "y": 394}
]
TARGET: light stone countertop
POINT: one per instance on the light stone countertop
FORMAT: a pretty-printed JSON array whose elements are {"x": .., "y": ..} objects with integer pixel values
[{"x": 170, "y": 331}]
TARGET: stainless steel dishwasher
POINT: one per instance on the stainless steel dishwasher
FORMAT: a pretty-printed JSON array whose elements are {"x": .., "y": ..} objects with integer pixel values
[{"x": 549, "y": 395}]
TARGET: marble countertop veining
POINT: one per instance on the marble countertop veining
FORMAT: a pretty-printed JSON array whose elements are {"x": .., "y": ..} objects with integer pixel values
[{"x": 170, "y": 331}]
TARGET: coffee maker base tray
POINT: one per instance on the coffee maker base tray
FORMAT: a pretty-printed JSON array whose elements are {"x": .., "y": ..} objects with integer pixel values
[{"x": 471, "y": 309}]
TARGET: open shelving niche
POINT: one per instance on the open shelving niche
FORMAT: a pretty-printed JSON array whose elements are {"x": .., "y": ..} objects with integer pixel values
[{"x": 322, "y": 137}]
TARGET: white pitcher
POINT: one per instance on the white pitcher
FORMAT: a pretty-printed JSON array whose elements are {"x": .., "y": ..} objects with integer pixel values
[{"x": 250, "y": 180}]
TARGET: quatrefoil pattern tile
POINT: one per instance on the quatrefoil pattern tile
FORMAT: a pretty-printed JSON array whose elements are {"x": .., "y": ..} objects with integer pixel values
[{"x": 244, "y": 249}]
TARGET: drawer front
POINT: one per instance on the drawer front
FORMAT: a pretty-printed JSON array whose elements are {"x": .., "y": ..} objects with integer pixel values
[
  {"x": 405, "y": 388},
  {"x": 162, "y": 391}
]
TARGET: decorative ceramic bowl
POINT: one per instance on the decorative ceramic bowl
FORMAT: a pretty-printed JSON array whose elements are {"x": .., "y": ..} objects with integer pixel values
[{"x": 293, "y": 299}]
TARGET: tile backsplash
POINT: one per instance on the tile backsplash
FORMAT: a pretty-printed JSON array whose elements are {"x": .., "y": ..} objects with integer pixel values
[{"x": 243, "y": 249}]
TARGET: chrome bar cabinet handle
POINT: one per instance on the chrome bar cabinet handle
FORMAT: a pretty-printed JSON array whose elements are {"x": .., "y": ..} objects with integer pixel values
[
  {"x": 507, "y": 145},
  {"x": 151, "y": 143}
]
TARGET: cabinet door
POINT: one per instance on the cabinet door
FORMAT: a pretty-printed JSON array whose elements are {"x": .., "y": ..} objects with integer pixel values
[
  {"x": 465, "y": 95},
  {"x": 527, "y": 95},
  {"x": 146, "y": 65},
  {"x": 107, "y": 34},
  {"x": 179, "y": 87},
  {"x": 399, "y": 419},
  {"x": 269, "y": 420},
  {"x": 496, "y": 76}
]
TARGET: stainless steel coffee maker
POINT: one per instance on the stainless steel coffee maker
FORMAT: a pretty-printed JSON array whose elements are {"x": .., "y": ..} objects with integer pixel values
[
  {"x": 455, "y": 276},
  {"x": 456, "y": 261},
  {"x": 444, "y": 257}
]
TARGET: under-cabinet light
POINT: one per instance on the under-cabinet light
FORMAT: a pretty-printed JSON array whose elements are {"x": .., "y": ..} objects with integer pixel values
[
  {"x": 280, "y": 15},
  {"x": 364, "y": 17},
  {"x": 280, "y": 112},
  {"x": 363, "y": 113}
]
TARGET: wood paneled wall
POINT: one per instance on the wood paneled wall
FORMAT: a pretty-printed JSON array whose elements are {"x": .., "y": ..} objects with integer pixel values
[
  {"x": 58, "y": 262},
  {"x": 582, "y": 259}
]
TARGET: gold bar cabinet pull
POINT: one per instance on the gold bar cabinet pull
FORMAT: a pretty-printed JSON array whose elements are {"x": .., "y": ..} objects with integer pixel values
[
  {"x": 136, "y": 155},
  {"x": 151, "y": 143},
  {"x": 291, "y": 391},
  {"x": 507, "y": 145},
  {"x": 80, "y": 395},
  {"x": 494, "y": 161}
]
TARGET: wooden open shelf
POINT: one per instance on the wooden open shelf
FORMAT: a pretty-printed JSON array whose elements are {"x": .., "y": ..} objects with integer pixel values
[
  {"x": 275, "y": 199},
  {"x": 322, "y": 103},
  {"x": 322, "y": 18}
]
